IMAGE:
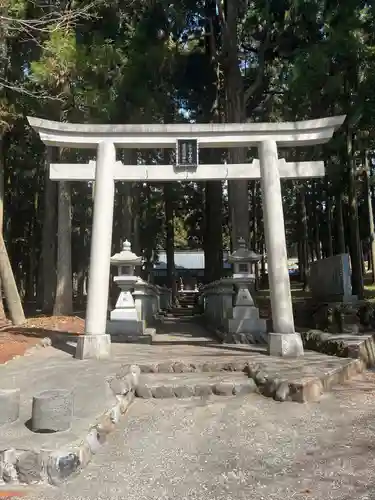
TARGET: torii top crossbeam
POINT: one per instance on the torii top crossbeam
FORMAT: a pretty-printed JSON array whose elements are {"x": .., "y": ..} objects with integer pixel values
[{"x": 300, "y": 133}]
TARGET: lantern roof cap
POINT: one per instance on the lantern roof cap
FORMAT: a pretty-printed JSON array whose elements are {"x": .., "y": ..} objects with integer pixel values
[
  {"x": 243, "y": 254},
  {"x": 126, "y": 256}
]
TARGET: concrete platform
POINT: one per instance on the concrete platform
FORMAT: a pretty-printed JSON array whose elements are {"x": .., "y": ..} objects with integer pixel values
[{"x": 180, "y": 350}]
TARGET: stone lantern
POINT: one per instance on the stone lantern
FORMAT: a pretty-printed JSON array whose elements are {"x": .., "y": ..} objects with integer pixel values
[
  {"x": 126, "y": 260},
  {"x": 243, "y": 260},
  {"x": 245, "y": 316},
  {"x": 124, "y": 318}
]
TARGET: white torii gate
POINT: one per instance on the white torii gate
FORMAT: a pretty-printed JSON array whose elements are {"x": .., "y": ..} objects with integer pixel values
[{"x": 95, "y": 343}]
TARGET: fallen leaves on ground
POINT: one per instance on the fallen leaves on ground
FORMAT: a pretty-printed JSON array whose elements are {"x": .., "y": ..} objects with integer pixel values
[{"x": 16, "y": 340}]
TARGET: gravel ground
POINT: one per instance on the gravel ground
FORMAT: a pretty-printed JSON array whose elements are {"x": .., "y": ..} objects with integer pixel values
[{"x": 237, "y": 448}]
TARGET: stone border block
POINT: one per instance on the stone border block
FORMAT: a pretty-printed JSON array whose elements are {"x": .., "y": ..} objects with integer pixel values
[
  {"x": 326, "y": 343},
  {"x": 307, "y": 389},
  {"x": 184, "y": 391},
  {"x": 224, "y": 389},
  {"x": 162, "y": 392}
]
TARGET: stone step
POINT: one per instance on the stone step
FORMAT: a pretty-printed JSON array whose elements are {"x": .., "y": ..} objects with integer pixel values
[
  {"x": 182, "y": 312},
  {"x": 227, "y": 366},
  {"x": 187, "y": 385}
]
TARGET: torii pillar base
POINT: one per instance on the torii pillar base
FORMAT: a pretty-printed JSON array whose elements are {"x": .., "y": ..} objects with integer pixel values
[
  {"x": 286, "y": 345},
  {"x": 93, "y": 347}
]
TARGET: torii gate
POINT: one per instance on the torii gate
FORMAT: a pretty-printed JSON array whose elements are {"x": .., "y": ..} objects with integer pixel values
[{"x": 95, "y": 343}]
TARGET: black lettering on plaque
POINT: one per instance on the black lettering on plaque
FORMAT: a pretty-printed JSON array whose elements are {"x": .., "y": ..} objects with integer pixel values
[{"x": 187, "y": 153}]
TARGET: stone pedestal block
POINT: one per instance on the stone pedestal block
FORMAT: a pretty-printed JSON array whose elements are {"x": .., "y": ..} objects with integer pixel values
[
  {"x": 52, "y": 411},
  {"x": 130, "y": 327},
  {"x": 9, "y": 405},
  {"x": 247, "y": 325},
  {"x": 246, "y": 321},
  {"x": 285, "y": 344}
]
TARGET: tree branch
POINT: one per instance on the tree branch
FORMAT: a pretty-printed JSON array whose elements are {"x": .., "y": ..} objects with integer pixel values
[
  {"x": 20, "y": 89},
  {"x": 50, "y": 22},
  {"x": 261, "y": 67}
]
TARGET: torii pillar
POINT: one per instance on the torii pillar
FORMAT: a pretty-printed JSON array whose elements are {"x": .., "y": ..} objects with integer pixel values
[
  {"x": 96, "y": 343},
  {"x": 283, "y": 340}
]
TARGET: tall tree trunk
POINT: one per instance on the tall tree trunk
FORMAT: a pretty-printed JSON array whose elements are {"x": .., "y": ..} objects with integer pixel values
[
  {"x": 213, "y": 238},
  {"x": 49, "y": 234},
  {"x": 12, "y": 296},
  {"x": 30, "y": 290},
  {"x": 124, "y": 206},
  {"x": 136, "y": 243},
  {"x": 81, "y": 260},
  {"x": 64, "y": 287},
  {"x": 126, "y": 212},
  {"x": 305, "y": 238},
  {"x": 4, "y": 64},
  {"x": 370, "y": 212},
  {"x": 316, "y": 213},
  {"x": 355, "y": 243},
  {"x": 148, "y": 245},
  {"x": 340, "y": 228},
  {"x": 235, "y": 98},
  {"x": 329, "y": 223},
  {"x": 255, "y": 203},
  {"x": 169, "y": 240},
  {"x": 2, "y": 176},
  {"x": 213, "y": 244},
  {"x": 254, "y": 215}
]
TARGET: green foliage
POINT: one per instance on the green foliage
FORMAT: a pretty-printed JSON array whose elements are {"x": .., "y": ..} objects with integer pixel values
[
  {"x": 59, "y": 59},
  {"x": 15, "y": 8},
  {"x": 139, "y": 62}
]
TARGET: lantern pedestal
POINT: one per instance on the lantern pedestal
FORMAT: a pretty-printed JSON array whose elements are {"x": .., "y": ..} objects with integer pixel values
[
  {"x": 124, "y": 318},
  {"x": 245, "y": 325}
]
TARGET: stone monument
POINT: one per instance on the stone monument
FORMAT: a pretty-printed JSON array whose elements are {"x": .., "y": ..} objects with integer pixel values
[{"x": 330, "y": 279}]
